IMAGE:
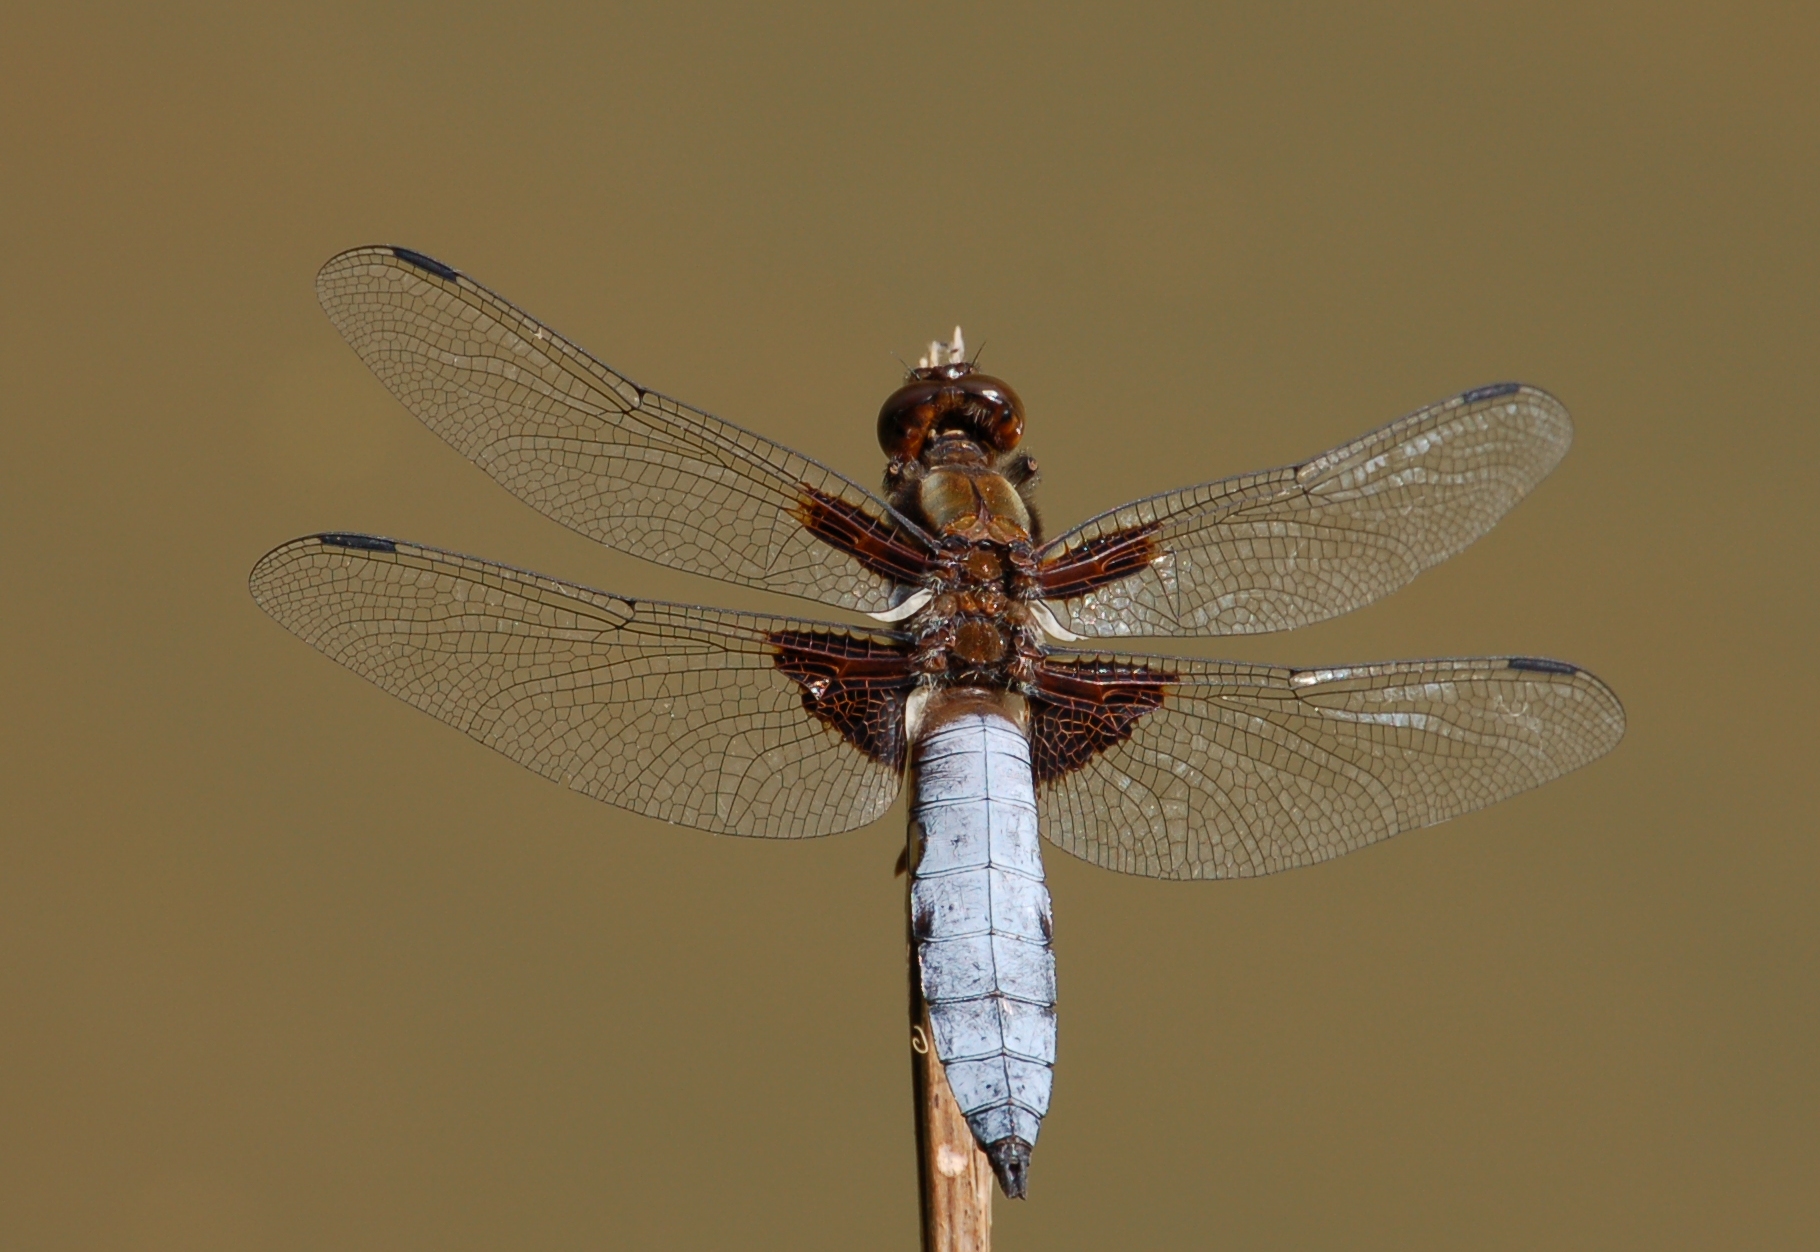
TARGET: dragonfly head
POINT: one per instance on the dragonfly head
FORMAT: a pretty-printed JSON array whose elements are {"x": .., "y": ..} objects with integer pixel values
[{"x": 950, "y": 401}]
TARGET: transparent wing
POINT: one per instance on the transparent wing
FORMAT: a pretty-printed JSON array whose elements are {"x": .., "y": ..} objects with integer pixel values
[
  {"x": 1286, "y": 547},
  {"x": 685, "y": 714},
  {"x": 1210, "y": 769},
  {"x": 625, "y": 466}
]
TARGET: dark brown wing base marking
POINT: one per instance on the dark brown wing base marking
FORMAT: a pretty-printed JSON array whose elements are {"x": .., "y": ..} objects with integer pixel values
[
  {"x": 874, "y": 542},
  {"x": 1082, "y": 708},
  {"x": 856, "y": 686},
  {"x": 1099, "y": 563}
]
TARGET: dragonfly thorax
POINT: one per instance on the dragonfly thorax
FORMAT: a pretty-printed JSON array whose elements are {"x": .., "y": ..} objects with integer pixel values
[
  {"x": 966, "y": 502},
  {"x": 976, "y": 628}
]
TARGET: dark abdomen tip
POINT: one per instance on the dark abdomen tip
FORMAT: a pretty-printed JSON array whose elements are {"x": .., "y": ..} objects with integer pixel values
[{"x": 1011, "y": 1162}]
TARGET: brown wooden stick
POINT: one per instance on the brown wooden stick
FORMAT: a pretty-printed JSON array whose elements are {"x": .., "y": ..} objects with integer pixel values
[{"x": 955, "y": 1176}]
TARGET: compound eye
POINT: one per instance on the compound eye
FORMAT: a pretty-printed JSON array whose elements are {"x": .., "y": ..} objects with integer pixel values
[
  {"x": 1000, "y": 421},
  {"x": 982, "y": 407},
  {"x": 907, "y": 415}
]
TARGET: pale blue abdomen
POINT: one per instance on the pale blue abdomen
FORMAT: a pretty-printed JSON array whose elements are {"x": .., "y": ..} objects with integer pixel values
[{"x": 980, "y": 916}]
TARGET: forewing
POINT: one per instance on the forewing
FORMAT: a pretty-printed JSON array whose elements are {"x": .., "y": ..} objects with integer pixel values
[
  {"x": 1290, "y": 546},
  {"x": 727, "y": 722},
  {"x": 625, "y": 466},
  {"x": 1175, "y": 768}
]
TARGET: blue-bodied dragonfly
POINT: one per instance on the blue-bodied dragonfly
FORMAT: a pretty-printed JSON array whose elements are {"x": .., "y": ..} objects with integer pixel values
[{"x": 964, "y": 683}]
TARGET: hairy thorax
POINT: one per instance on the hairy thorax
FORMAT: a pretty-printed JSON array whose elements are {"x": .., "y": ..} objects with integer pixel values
[{"x": 975, "y": 629}]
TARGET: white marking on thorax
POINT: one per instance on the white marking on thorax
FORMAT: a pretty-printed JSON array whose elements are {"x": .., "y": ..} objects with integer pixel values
[
  {"x": 913, "y": 604},
  {"x": 1045, "y": 617}
]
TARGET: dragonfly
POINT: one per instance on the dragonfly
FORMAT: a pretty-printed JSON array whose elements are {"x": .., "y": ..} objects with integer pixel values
[{"x": 976, "y": 682}]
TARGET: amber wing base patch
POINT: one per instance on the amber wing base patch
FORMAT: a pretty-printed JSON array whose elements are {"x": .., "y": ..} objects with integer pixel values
[
  {"x": 857, "y": 686},
  {"x": 1081, "y": 708},
  {"x": 1099, "y": 563},
  {"x": 873, "y": 541}
]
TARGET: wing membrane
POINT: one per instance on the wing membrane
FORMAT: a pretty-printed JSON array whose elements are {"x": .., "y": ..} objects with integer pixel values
[
  {"x": 1214, "y": 769},
  {"x": 585, "y": 445},
  {"x": 1286, "y": 547},
  {"x": 694, "y": 716}
]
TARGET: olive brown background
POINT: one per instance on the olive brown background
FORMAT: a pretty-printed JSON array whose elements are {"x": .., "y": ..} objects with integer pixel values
[{"x": 287, "y": 965}]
